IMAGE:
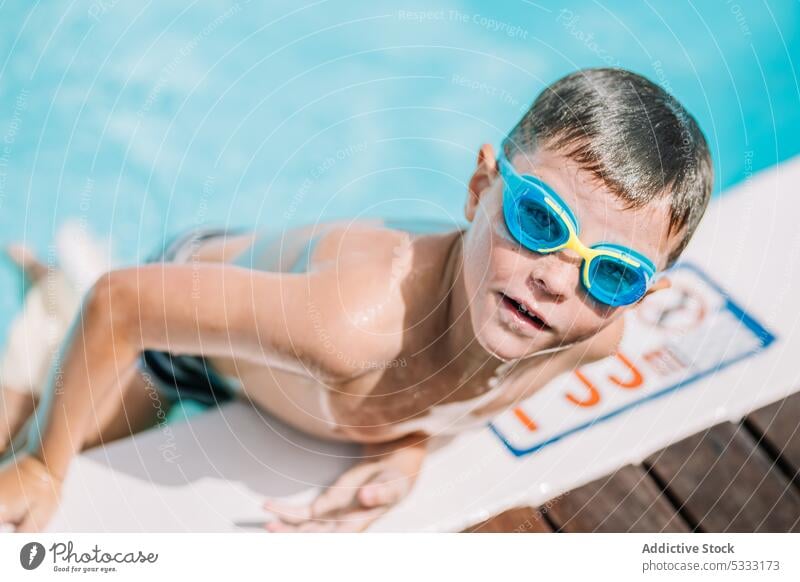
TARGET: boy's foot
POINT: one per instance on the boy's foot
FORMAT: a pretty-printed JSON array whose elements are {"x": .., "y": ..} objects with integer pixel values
[{"x": 24, "y": 257}]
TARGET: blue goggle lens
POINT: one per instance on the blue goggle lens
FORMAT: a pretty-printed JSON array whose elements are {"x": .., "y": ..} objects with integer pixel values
[
  {"x": 615, "y": 282},
  {"x": 541, "y": 225}
]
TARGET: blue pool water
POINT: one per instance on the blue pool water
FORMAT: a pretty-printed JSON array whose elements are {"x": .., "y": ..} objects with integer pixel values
[{"x": 142, "y": 118}]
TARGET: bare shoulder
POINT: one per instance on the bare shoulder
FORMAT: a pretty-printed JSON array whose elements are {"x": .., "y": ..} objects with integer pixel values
[
  {"x": 359, "y": 307},
  {"x": 374, "y": 281},
  {"x": 382, "y": 261},
  {"x": 358, "y": 242}
]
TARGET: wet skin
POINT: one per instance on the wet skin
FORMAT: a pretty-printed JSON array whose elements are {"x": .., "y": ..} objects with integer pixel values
[{"x": 387, "y": 338}]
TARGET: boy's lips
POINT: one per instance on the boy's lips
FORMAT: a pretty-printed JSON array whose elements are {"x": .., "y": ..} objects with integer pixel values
[{"x": 523, "y": 312}]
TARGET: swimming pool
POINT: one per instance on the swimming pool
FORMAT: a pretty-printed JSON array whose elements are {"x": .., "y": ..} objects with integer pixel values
[{"x": 140, "y": 119}]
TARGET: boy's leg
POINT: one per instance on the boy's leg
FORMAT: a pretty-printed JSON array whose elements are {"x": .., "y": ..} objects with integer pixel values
[
  {"x": 17, "y": 403},
  {"x": 15, "y": 408},
  {"x": 27, "y": 358},
  {"x": 25, "y": 361},
  {"x": 135, "y": 407}
]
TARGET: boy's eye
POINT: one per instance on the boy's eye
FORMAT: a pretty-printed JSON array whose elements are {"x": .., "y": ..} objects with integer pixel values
[
  {"x": 617, "y": 273},
  {"x": 610, "y": 269},
  {"x": 539, "y": 222}
]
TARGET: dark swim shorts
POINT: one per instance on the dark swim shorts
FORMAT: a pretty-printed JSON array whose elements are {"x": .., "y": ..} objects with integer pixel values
[{"x": 181, "y": 376}]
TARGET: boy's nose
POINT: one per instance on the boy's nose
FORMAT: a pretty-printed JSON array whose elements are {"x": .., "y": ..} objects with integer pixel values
[{"x": 554, "y": 275}]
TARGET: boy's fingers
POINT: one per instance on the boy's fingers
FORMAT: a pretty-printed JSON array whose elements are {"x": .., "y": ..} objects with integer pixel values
[
  {"x": 279, "y": 526},
  {"x": 333, "y": 499},
  {"x": 383, "y": 487},
  {"x": 387, "y": 488},
  {"x": 343, "y": 491},
  {"x": 318, "y": 526},
  {"x": 287, "y": 512},
  {"x": 360, "y": 520},
  {"x": 313, "y": 526}
]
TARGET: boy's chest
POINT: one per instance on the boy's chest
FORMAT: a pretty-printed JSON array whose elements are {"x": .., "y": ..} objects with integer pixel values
[{"x": 414, "y": 396}]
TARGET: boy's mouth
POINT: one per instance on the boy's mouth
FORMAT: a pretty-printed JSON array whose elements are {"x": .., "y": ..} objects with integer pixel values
[{"x": 524, "y": 313}]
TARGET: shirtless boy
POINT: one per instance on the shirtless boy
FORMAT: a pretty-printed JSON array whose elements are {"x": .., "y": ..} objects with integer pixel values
[{"x": 375, "y": 333}]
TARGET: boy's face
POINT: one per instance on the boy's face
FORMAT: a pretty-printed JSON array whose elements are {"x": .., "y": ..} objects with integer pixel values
[{"x": 499, "y": 273}]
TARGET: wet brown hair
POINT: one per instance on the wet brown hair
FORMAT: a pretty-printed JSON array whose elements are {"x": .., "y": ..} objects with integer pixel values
[{"x": 629, "y": 133}]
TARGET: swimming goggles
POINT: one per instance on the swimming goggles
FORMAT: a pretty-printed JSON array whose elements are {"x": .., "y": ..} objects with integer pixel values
[{"x": 543, "y": 223}]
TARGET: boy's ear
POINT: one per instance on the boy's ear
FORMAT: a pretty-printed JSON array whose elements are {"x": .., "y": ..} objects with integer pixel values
[
  {"x": 663, "y": 282},
  {"x": 482, "y": 178}
]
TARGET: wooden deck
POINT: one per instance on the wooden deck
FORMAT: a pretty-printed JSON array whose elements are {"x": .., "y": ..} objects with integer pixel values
[{"x": 742, "y": 477}]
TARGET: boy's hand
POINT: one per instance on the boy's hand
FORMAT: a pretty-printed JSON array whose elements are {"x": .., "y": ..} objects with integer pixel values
[
  {"x": 360, "y": 496},
  {"x": 29, "y": 494}
]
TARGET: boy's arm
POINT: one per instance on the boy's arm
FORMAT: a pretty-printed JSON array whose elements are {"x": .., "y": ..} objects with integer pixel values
[
  {"x": 286, "y": 320},
  {"x": 365, "y": 492}
]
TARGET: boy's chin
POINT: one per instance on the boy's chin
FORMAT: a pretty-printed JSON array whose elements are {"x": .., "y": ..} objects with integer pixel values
[{"x": 507, "y": 346}]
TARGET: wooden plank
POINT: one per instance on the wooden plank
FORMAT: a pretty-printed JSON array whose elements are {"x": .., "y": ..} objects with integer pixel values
[
  {"x": 625, "y": 501},
  {"x": 778, "y": 425},
  {"x": 517, "y": 520},
  {"x": 726, "y": 483}
]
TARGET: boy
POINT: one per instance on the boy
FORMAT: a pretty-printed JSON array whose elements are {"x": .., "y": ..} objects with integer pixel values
[{"x": 370, "y": 332}]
